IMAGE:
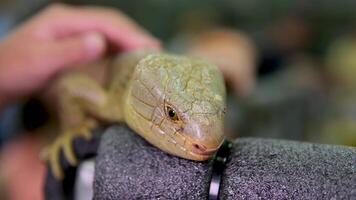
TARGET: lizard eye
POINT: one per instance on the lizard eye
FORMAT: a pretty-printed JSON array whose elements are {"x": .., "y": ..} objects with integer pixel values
[{"x": 171, "y": 113}]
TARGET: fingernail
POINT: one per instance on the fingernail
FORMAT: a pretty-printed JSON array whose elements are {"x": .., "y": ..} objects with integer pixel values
[{"x": 94, "y": 43}]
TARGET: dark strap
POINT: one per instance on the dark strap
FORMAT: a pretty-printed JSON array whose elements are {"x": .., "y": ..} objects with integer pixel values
[{"x": 219, "y": 165}]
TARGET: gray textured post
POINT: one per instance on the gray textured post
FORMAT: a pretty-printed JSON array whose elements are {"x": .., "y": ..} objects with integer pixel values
[{"x": 127, "y": 167}]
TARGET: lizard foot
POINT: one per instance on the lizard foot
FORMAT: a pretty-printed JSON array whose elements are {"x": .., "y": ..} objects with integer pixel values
[{"x": 64, "y": 142}]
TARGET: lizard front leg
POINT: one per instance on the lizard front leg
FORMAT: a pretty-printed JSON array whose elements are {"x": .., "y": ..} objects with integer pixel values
[
  {"x": 80, "y": 97},
  {"x": 64, "y": 143}
]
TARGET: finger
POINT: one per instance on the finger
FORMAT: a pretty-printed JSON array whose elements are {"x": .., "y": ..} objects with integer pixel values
[
  {"x": 75, "y": 50},
  {"x": 115, "y": 26}
]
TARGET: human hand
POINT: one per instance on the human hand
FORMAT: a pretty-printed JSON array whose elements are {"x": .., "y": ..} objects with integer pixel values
[{"x": 59, "y": 38}]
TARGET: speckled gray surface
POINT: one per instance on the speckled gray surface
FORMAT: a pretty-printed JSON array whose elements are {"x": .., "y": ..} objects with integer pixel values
[
  {"x": 277, "y": 169},
  {"x": 127, "y": 167}
]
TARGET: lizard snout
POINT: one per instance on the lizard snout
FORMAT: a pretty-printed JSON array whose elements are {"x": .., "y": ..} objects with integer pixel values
[{"x": 203, "y": 150}]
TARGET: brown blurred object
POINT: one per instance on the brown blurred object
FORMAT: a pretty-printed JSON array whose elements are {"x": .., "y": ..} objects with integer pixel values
[
  {"x": 291, "y": 33},
  {"x": 198, "y": 21},
  {"x": 300, "y": 72},
  {"x": 2, "y": 2},
  {"x": 339, "y": 126},
  {"x": 22, "y": 171},
  {"x": 341, "y": 63},
  {"x": 233, "y": 52}
]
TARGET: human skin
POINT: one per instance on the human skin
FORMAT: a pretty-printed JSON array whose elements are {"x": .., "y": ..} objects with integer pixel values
[{"x": 59, "y": 38}]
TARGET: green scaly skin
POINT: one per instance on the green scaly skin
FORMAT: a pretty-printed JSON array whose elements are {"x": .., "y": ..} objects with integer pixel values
[{"x": 174, "y": 102}]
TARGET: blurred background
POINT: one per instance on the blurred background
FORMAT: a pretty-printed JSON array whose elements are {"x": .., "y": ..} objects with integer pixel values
[{"x": 295, "y": 62}]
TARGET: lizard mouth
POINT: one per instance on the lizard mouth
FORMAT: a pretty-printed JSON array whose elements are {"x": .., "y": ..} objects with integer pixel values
[
  {"x": 202, "y": 156},
  {"x": 187, "y": 147},
  {"x": 202, "y": 150},
  {"x": 196, "y": 151}
]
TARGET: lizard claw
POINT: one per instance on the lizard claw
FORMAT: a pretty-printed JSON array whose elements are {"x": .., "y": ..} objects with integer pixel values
[{"x": 64, "y": 142}]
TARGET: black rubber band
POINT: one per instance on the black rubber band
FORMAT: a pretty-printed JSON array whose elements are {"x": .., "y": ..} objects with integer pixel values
[{"x": 219, "y": 165}]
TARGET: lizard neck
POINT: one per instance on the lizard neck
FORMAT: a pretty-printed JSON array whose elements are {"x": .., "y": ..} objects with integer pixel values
[{"x": 121, "y": 71}]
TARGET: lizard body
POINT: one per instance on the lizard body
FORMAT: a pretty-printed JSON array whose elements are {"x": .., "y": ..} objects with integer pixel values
[{"x": 174, "y": 102}]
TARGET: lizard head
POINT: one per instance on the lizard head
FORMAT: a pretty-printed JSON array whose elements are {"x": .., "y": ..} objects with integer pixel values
[{"x": 178, "y": 105}]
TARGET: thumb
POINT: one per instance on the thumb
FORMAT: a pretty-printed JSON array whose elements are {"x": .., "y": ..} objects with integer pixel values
[{"x": 76, "y": 50}]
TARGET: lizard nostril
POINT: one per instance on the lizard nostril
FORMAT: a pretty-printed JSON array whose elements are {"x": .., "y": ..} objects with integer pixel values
[
  {"x": 199, "y": 148},
  {"x": 202, "y": 150}
]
